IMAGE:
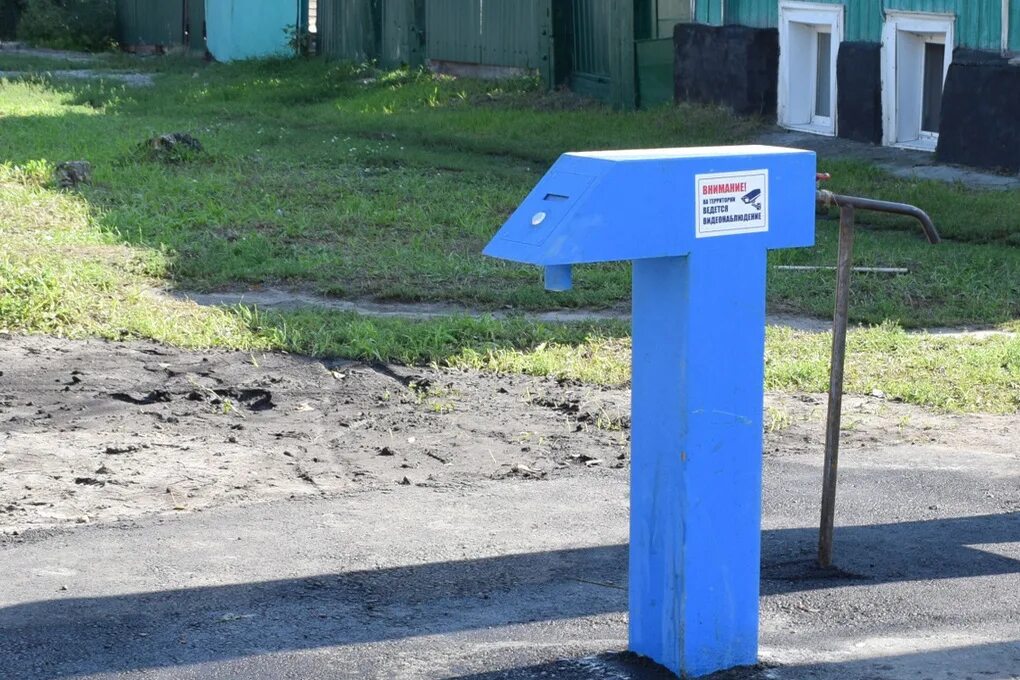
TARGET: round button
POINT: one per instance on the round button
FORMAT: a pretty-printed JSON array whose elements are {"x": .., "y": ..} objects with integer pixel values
[{"x": 537, "y": 219}]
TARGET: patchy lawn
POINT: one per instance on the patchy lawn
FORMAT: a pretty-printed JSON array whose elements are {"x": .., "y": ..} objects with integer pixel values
[{"x": 348, "y": 182}]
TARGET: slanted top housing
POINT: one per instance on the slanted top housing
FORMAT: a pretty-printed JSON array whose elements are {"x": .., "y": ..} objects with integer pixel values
[{"x": 602, "y": 206}]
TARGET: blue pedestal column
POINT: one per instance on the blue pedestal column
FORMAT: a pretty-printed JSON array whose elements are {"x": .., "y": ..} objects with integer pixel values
[{"x": 695, "y": 520}]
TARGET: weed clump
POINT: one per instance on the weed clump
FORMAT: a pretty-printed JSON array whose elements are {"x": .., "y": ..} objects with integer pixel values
[{"x": 172, "y": 148}]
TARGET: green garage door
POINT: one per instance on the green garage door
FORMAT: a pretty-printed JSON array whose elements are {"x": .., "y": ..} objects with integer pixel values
[
  {"x": 590, "y": 25},
  {"x": 150, "y": 22}
]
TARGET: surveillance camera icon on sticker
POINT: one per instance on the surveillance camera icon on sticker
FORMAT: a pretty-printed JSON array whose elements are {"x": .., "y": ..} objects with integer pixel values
[{"x": 753, "y": 198}]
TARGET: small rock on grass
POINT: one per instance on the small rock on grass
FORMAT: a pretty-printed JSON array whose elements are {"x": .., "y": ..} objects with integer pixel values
[
  {"x": 70, "y": 174},
  {"x": 172, "y": 147}
]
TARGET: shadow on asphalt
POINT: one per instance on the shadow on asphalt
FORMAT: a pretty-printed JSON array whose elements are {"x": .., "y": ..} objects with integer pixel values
[
  {"x": 924, "y": 550},
  {"x": 994, "y": 661},
  {"x": 73, "y": 636}
]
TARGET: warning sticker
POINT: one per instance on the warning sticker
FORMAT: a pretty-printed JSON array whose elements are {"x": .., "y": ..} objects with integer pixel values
[{"x": 732, "y": 203}]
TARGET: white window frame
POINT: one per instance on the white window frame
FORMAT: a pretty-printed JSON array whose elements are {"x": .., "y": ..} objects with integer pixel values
[
  {"x": 898, "y": 81},
  {"x": 810, "y": 14}
]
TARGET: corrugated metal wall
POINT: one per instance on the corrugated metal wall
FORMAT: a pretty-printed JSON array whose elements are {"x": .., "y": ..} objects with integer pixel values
[
  {"x": 756, "y": 14},
  {"x": 150, "y": 22},
  {"x": 708, "y": 12},
  {"x": 402, "y": 33},
  {"x": 592, "y": 20},
  {"x": 196, "y": 25},
  {"x": 346, "y": 29},
  {"x": 978, "y": 22},
  {"x": 865, "y": 21},
  {"x": 602, "y": 57},
  {"x": 453, "y": 30},
  {"x": 515, "y": 33},
  {"x": 490, "y": 32},
  {"x": 593, "y": 37}
]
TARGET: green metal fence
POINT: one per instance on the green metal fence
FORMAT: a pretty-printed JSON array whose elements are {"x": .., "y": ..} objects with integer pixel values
[
  {"x": 589, "y": 45},
  {"x": 402, "y": 33},
  {"x": 346, "y": 29},
  {"x": 150, "y": 22},
  {"x": 195, "y": 25},
  {"x": 453, "y": 30},
  {"x": 591, "y": 24},
  {"x": 514, "y": 33},
  {"x": 388, "y": 31}
]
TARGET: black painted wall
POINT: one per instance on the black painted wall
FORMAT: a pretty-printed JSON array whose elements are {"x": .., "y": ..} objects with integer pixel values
[
  {"x": 981, "y": 113},
  {"x": 734, "y": 66},
  {"x": 859, "y": 91}
]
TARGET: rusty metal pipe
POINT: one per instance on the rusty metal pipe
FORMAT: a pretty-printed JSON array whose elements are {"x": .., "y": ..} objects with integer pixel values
[
  {"x": 841, "y": 318},
  {"x": 848, "y": 205},
  {"x": 931, "y": 233}
]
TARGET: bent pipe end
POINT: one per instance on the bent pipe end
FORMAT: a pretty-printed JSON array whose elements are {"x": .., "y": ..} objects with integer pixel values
[{"x": 829, "y": 198}]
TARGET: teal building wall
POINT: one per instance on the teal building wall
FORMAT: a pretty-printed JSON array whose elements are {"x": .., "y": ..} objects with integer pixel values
[
  {"x": 249, "y": 29},
  {"x": 978, "y": 22},
  {"x": 1014, "y": 26}
]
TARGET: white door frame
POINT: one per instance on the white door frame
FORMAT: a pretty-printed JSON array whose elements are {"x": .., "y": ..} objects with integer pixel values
[
  {"x": 813, "y": 14},
  {"x": 919, "y": 23}
]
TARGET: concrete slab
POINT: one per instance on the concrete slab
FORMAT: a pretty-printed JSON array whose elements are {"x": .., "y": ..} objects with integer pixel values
[{"x": 523, "y": 580}]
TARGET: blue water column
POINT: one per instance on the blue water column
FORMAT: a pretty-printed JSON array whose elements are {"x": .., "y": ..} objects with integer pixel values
[{"x": 697, "y": 223}]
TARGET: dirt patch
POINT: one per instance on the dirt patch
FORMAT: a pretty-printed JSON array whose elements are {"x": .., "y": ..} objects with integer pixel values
[
  {"x": 129, "y": 79},
  {"x": 279, "y": 298},
  {"x": 23, "y": 50},
  {"x": 95, "y": 431}
]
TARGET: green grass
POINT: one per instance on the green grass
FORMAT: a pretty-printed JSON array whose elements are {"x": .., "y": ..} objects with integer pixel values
[
  {"x": 345, "y": 181},
  {"x": 944, "y": 373},
  {"x": 358, "y": 184},
  {"x": 950, "y": 284},
  {"x": 961, "y": 214},
  {"x": 61, "y": 275}
]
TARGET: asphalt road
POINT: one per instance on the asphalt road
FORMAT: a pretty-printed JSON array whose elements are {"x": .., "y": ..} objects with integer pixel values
[{"x": 522, "y": 580}]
